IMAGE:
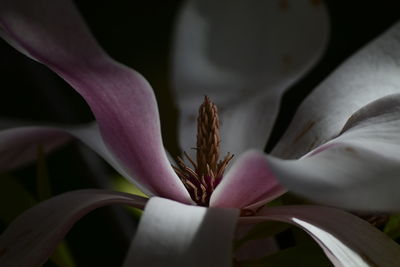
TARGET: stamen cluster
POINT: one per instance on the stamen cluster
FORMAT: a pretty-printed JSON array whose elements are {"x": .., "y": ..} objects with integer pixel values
[{"x": 207, "y": 171}]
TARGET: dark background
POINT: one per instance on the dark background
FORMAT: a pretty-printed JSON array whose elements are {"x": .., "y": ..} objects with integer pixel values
[{"x": 138, "y": 33}]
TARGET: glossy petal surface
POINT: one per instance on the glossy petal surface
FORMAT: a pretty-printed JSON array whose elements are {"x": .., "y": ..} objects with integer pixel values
[
  {"x": 243, "y": 55},
  {"x": 53, "y": 33},
  {"x": 346, "y": 240},
  {"x": 32, "y": 237},
  {"x": 173, "y": 234}
]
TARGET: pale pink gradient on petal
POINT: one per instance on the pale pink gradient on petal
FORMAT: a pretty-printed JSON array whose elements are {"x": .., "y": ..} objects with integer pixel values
[
  {"x": 33, "y": 236},
  {"x": 248, "y": 182},
  {"x": 346, "y": 239},
  {"x": 122, "y": 101}
]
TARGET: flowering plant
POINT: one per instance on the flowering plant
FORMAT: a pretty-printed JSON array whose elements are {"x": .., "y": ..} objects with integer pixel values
[{"x": 338, "y": 144}]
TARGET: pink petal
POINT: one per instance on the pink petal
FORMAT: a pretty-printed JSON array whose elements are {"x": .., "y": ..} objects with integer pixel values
[
  {"x": 244, "y": 55},
  {"x": 368, "y": 75},
  {"x": 174, "y": 234},
  {"x": 33, "y": 236},
  {"x": 122, "y": 101},
  {"x": 249, "y": 183},
  {"x": 346, "y": 240}
]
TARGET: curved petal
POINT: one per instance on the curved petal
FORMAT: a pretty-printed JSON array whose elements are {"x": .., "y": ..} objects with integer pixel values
[
  {"x": 248, "y": 184},
  {"x": 357, "y": 170},
  {"x": 122, "y": 101},
  {"x": 32, "y": 237},
  {"x": 346, "y": 239},
  {"x": 370, "y": 74},
  {"x": 19, "y": 146},
  {"x": 20, "y": 141},
  {"x": 243, "y": 55},
  {"x": 174, "y": 234}
]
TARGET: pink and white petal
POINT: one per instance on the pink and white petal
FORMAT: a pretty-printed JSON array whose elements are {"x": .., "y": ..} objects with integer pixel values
[
  {"x": 369, "y": 74},
  {"x": 249, "y": 183},
  {"x": 358, "y": 169},
  {"x": 243, "y": 60},
  {"x": 32, "y": 237},
  {"x": 174, "y": 234},
  {"x": 346, "y": 239},
  {"x": 123, "y": 102},
  {"x": 20, "y": 143}
]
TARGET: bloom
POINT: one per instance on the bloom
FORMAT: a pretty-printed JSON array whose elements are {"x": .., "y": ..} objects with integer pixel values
[{"x": 123, "y": 103}]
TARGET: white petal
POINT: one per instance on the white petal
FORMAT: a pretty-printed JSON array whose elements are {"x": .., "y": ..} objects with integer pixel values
[
  {"x": 346, "y": 239},
  {"x": 174, "y": 234},
  {"x": 357, "y": 170},
  {"x": 370, "y": 74},
  {"x": 243, "y": 54}
]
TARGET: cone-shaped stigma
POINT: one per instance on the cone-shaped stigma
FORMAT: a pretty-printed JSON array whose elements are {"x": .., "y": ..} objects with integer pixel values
[{"x": 207, "y": 171}]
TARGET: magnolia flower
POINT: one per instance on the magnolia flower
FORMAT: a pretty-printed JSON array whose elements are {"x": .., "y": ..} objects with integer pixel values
[{"x": 344, "y": 136}]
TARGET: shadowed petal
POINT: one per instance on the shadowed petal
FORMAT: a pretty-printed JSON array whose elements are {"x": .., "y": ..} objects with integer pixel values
[
  {"x": 370, "y": 74},
  {"x": 243, "y": 55},
  {"x": 19, "y": 146},
  {"x": 173, "y": 234},
  {"x": 249, "y": 182},
  {"x": 357, "y": 170},
  {"x": 32, "y": 237},
  {"x": 122, "y": 101},
  {"x": 346, "y": 240}
]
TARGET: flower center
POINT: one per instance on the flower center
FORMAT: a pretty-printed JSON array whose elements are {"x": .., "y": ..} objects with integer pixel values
[{"x": 208, "y": 170}]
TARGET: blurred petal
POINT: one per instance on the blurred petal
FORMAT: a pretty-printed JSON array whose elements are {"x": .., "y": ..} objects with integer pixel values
[
  {"x": 19, "y": 143},
  {"x": 174, "y": 234},
  {"x": 243, "y": 55},
  {"x": 122, "y": 101},
  {"x": 357, "y": 170},
  {"x": 370, "y": 74},
  {"x": 19, "y": 146},
  {"x": 346, "y": 239},
  {"x": 248, "y": 183},
  {"x": 32, "y": 237}
]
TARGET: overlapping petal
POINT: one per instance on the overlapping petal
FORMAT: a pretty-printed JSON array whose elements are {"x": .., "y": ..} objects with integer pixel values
[
  {"x": 358, "y": 167},
  {"x": 21, "y": 141},
  {"x": 368, "y": 75},
  {"x": 19, "y": 146},
  {"x": 33, "y": 236},
  {"x": 248, "y": 184},
  {"x": 346, "y": 239},
  {"x": 173, "y": 234},
  {"x": 243, "y": 55},
  {"x": 357, "y": 170},
  {"x": 53, "y": 33}
]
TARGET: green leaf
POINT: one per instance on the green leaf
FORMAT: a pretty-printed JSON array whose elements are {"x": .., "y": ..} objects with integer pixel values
[
  {"x": 62, "y": 256},
  {"x": 392, "y": 227},
  {"x": 121, "y": 184}
]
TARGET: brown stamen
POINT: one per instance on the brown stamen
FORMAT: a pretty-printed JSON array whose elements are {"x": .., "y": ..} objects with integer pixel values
[{"x": 208, "y": 171}]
